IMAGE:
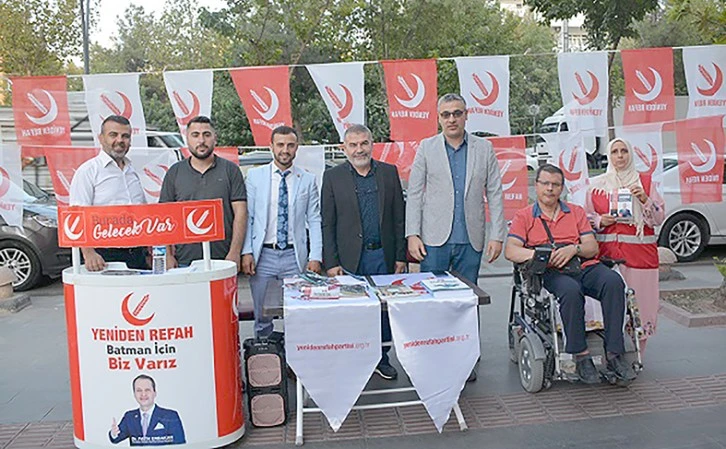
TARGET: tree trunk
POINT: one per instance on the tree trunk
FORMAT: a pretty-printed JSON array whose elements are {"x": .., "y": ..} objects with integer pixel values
[{"x": 721, "y": 300}]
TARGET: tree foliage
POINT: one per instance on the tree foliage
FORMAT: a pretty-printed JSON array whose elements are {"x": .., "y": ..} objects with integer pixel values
[
  {"x": 38, "y": 37},
  {"x": 707, "y": 17},
  {"x": 605, "y": 21}
]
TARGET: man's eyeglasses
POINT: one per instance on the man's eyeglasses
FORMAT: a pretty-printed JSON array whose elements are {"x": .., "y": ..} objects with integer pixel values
[
  {"x": 447, "y": 114},
  {"x": 547, "y": 184}
]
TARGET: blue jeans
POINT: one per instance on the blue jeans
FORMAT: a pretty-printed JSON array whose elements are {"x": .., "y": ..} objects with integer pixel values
[
  {"x": 462, "y": 258},
  {"x": 373, "y": 262}
]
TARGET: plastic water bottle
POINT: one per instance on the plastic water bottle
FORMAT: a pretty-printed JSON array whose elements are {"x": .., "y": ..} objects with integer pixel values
[{"x": 158, "y": 261}]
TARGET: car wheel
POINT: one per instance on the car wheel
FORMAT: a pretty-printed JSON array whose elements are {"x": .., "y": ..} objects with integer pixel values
[
  {"x": 686, "y": 235},
  {"x": 20, "y": 258}
]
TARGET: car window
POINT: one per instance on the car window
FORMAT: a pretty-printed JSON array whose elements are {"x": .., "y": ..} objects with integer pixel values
[
  {"x": 548, "y": 128},
  {"x": 153, "y": 142},
  {"x": 172, "y": 140},
  {"x": 563, "y": 126},
  {"x": 32, "y": 192},
  {"x": 669, "y": 163}
]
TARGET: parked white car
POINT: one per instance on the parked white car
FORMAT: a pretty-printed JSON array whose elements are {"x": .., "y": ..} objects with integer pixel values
[{"x": 689, "y": 228}]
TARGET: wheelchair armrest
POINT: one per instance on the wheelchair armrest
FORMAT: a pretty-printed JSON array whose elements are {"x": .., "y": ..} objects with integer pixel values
[{"x": 608, "y": 262}]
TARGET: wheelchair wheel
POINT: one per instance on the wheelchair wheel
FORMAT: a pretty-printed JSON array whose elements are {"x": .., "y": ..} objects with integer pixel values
[{"x": 531, "y": 371}]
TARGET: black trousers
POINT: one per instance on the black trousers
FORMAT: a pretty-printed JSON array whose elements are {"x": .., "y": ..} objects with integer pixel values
[
  {"x": 373, "y": 262},
  {"x": 596, "y": 281},
  {"x": 134, "y": 257}
]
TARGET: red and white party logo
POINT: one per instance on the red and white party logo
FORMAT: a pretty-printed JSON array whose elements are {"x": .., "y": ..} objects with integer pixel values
[
  {"x": 490, "y": 95},
  {"x": 4, "y": 182},
  {"x": 199, "y": 220},
  {"x": 45, "y": 106},
  {"x": 73, "y": 224},
  {"x": 711, "y": 83},
  {"x": 156, "y": 176},
  {"x": 183, "y": 111},
  {"x": 343, "y": 107},
  {"x": 571, "y": 174},
  {"x": 117, "y": 103},
  {"x": 413, "y": 96},
  {"x": 132, "y": 316},
  {"x": 266, "y": 109},
  {"x": 588, "y": 94},
  {"x": 649, "y": 162},
  {"x": 651, "y": 89},
  {"x": 707, "y": 162}
]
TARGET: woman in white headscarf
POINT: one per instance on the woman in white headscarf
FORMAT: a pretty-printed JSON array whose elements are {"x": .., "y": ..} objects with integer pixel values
[{"x": 629, "y": 234}]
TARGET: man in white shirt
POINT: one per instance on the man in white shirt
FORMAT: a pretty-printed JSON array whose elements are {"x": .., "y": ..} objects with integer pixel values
[
  {"x": 283, "y": 207},
  {"x": 109, "y": 179}
]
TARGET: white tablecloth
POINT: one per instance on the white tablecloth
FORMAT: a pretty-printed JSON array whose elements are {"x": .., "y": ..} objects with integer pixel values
[{"x": 333, "y": 346}]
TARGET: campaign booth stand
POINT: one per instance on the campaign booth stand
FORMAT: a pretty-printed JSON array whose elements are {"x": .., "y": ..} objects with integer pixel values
[{"x": 138, "y": 340}]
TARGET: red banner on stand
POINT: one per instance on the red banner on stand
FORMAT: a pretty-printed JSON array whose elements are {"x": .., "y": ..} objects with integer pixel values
[
  {"x": 513, "y": 169},
  {"x": 62, "y": 165},
  {"x": 700, "y": 144},
  {"x": 400, "y": 154},
  {"x": 411, "y": 88},
  {"x": 649, "y": 91},
  {"x": 40, "y": 108},
  {"x": 265, "y": 95},
  {"x": 140, "y": 225}
]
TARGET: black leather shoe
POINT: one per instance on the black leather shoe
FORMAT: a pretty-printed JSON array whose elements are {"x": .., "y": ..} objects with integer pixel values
[
  {"x": 587, "y": 372},
  {"x": 386, "y": 371},
  {"x": 621, "y": 368}
]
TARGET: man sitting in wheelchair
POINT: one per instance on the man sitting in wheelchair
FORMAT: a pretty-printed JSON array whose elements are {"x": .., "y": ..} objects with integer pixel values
[{"x": 569, "y": 249}]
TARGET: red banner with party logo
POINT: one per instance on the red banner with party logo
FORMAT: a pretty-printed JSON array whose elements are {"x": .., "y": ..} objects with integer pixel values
[
  {"x": 400, "y": 154},
  {"x": 62, "y": 165},
  {"x": 649, "y": 91},
  {"x": 229, "y": 153},
  {"x": 40, "y": 108},
  {"x": 513, "y": 169},
  {"x": 265, "y": 95},
  {"x": 140, "y": 225},
  {"x": 700, "y": 143},
  {"x": 411, "y": 88}
]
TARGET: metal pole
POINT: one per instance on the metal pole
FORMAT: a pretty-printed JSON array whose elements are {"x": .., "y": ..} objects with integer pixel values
[{"x": 85, "y": 21}]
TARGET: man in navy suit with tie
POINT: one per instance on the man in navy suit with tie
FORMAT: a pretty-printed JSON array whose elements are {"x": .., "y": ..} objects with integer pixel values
[
  {"x": 148, "y": 425},
  {"x": 283, "y": 206}
]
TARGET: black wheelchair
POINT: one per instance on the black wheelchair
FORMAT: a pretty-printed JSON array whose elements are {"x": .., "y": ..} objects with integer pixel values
[{"x": 535, "y": 333}]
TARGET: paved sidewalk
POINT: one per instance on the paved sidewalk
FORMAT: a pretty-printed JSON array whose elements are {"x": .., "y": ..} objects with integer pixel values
[{"x": 678, "y": 401}]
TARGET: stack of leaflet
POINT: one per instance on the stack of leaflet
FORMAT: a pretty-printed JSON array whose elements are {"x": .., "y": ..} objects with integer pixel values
[
  {"x": 391, "y": 291},
  {"x": 447, "y": 287},
  {"x": 309, "y": 286}
]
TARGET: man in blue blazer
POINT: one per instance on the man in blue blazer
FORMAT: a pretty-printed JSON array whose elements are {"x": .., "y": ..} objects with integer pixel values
[
  {"x": 148, "y": 425},
  {"x": 283, "y": 206}
]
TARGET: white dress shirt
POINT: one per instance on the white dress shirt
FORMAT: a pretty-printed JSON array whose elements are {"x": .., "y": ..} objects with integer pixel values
[
  {"x": 100, "y": 182},
  {"x": 271, "y": 232}
]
